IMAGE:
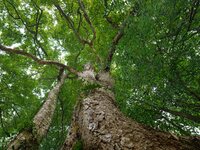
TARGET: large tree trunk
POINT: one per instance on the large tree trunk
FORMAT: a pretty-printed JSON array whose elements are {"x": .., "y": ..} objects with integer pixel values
[
  {"x": 29, "y": 139},
  {"x": 99, "y": 124}
]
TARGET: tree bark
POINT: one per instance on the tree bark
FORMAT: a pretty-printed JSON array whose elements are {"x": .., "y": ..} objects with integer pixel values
[
  {"x": 100, "y": 125},
  {"x": 29, "y": 139}
]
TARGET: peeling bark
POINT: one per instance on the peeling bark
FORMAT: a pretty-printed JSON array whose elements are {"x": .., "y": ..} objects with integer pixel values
[
  {"x": 29, "y": 139},
  {"x": 101, "y": 126}
]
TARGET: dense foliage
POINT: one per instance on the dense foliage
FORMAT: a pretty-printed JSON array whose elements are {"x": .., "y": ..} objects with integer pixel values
[{"x": 155, "y": 66}]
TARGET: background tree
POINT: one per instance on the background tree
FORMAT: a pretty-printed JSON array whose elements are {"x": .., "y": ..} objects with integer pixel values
[{"x": 151, "y": 49}]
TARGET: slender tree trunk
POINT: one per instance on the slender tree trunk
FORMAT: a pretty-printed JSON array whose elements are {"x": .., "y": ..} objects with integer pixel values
[
  {"x": 29, "y": 139},
  {"x": 99, "y": 124}
]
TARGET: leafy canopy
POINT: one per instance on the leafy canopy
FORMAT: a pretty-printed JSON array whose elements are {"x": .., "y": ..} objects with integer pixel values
[{"x": 155, "y": 65}]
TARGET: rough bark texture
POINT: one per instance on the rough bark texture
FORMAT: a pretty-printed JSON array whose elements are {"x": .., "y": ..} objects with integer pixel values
[
  {"x": 29, "y": 139},
  {"x": 101, "y": 126}
]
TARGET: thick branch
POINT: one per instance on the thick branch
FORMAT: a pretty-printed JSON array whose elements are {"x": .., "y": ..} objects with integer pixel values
[{"x": 39, "y": 61}]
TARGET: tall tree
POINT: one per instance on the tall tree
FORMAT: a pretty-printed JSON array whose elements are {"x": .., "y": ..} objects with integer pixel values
[{"x": 94, "y": 74}]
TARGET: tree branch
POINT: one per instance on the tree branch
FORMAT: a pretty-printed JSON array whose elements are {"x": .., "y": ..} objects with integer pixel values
[
  {"x": 178, "y": 126},
  {"x": 174, "y": 112},
  {"x": 38, "y": 18},
  {"x": 111, "y": 22},
  {"x": 133, "y": 12},
  {"x": 80, "y": 19},
  {"x": 39, "y": 61},
  {"x": 182, "y": 114},
  {"x": 82, "y": 7},
  {"x": 71, "y": 25},
  {"x": 109, "y": 19},
  {"x": 112, "y": 50}
]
